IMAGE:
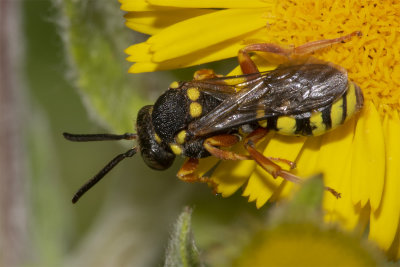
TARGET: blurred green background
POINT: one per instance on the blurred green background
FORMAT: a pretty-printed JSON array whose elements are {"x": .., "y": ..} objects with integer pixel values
[{"x": 72, "y": 76}]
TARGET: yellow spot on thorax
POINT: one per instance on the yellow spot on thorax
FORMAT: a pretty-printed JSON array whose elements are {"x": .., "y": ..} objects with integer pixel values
[
  {"x": 176, "y": 149},
  {"x": 157, "y": 138},
  {"x": 195, "y": 109},
  {"x": 174, "y": 85},
  {"x": 193, "y": 93},
  {"x": 180, "y": 137}
]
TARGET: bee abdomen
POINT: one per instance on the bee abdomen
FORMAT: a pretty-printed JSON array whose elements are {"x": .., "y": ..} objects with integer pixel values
[{"x": 320, "y": 121}]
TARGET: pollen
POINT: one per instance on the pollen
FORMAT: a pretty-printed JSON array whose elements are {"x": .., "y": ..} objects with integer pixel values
[
  {"x": 195, "y": 110},
  {"x": 372, "y": 60}
]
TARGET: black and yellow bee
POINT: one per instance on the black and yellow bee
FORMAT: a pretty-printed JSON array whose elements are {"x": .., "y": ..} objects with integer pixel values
[{"x": 198, "y": 118}]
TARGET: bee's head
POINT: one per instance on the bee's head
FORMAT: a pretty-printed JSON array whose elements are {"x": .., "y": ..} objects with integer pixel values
[{"x": 154, "y": 153}]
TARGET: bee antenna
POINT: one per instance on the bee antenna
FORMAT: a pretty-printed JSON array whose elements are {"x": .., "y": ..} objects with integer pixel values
[
  {"x": 98, "y": 137},
  {"x": 89, "y": 184}
]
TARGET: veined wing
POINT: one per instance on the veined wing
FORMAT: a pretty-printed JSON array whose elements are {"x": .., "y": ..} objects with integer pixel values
[{"x": 287, "y": 90}]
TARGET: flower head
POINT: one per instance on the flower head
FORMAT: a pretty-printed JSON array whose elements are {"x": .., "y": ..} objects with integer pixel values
[{"x": 361, "y": 158}]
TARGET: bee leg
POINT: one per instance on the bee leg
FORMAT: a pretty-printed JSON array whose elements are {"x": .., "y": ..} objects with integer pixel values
[
  {"x": 265, "y": 162},
  {"x": 248, "y": 66},
  {"x": 290, "y": 163},
  {"x": 316, "y": 45},
  {"x": 204, "y": 74},
  {"x": 187, "y": 174},
  {"x": 212, "y": 145},
  {"x": 268, "y": 165},
  {"x": 259, "y": 134}
]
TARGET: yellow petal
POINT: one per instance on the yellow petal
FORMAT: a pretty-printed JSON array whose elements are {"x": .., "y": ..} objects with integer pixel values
[
  {"x": 324, "y": 154},
  {"x": 351, "y": 217},
  {"x": 231, "y": 175},
  {"x": 308, "y": 158},
  {"x": 216, "y": 53},
  {"x": 152, "y": 22},
  {"x": 141, "y": 54},
  {"x": 140, "y": 5},
  {"x": 384, "y": 221},
  {"x": 213, "y": 3},
  {"x": 368, "y": 167},
  {"x": 335, "y": 151},
  {"x": 261, "y": 185},
  {"x": 205, "y": 165},
  {"x": 307, "y": 162},
  {"x": 200, "y": 32}
]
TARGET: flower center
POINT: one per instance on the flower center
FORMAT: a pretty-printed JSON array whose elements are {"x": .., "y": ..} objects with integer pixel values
[{"x": 372, "y": 61}]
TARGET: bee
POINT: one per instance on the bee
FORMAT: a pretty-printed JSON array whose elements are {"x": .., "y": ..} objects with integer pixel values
[{"x": 199, "y": 118}]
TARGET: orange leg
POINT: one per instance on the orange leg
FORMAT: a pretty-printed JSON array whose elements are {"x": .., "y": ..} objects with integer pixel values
[
  {"x": 187, "y": 174},
  {"x": 291, "y": 164},
  {"x": 266, "y": 163},
  {"x": 188, "y": 169},
  {"x": 205, "y": 74},
  {"x": 212, "y": 145},
  {"x": 271, "y": 167},
  {"x": 248, "y": 66}
]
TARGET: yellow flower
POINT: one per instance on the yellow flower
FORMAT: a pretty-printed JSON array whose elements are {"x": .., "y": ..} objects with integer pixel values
[
  {"x": 361, "y": 159},
  {"x": 305, "y": 245}
]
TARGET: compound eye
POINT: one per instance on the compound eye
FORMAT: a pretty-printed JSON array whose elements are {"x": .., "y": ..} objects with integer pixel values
[
  {"x": 158, "y": 159},
  {"x": 153, "y": 152}
]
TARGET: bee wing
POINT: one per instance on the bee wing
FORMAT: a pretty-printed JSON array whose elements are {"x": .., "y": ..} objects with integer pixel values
[
  {"x": 287, "y": 90},
  {"x": 222, "y": 87},
  {"x": 227, "y": 114},
  {"x": 298, "y": 89}
]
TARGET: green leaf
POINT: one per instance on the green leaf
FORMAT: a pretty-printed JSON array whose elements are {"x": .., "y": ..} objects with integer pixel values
[
  {"x": 181, "y": 250},
  {"x": 310, "y": 195},
  {"x": 95, "y": 38},
  {"x": 305, "y": 205},
  {"x": 48, "y": 226}
]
